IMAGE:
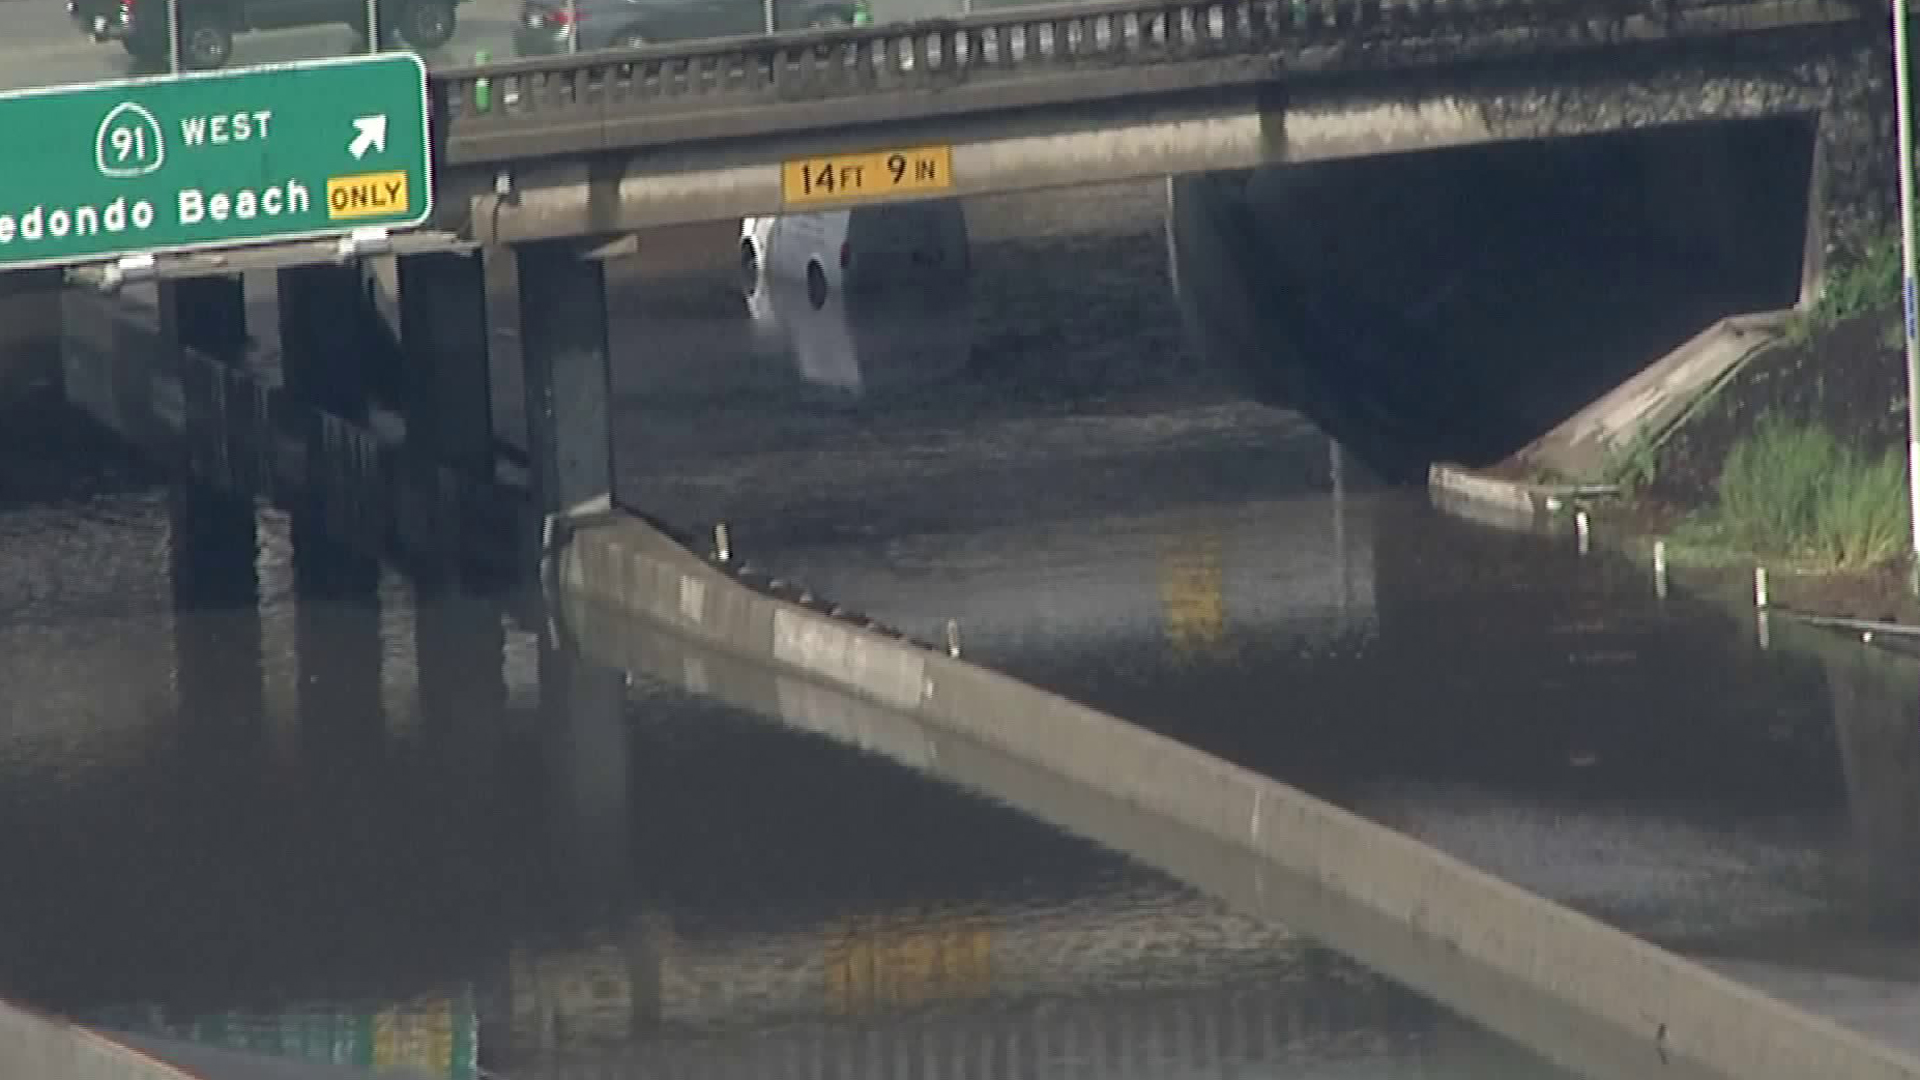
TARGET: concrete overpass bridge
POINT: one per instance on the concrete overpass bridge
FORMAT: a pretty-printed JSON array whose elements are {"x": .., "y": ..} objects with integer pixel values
[
  {"x": 1084, "y": 93},
  {"x": 545, "y": 167}
]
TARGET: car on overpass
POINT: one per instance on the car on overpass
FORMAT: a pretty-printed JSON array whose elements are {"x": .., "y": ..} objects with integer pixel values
[
  {"x": 547, "y": 27},
  {"x": 207, "y": 27}
]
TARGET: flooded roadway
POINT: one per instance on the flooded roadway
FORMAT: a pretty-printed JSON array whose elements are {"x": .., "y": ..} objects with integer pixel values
[{"x": 297, "y": 807}]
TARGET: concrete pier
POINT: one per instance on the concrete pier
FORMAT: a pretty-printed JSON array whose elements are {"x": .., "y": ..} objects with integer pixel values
[
  {"x": 30, "y": 314},
  {"x": 213, "y": 551},
  {"x": 203, "y": 339},
  {"x": 445, "y": 391},
  {"x": 445, "y": 397},
  {"x": 563, "y": 316},
  {"x": 324, "y": 311},
  {"x": 205, "y": 314}
]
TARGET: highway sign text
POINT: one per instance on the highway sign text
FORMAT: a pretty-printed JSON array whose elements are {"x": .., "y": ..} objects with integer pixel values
[
  {"x": 879, "y": 174},
  {"x": 249, "y": 155}
]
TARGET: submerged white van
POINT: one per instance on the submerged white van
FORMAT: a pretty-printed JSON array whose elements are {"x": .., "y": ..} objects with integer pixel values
[{"x": 863, "y": 249}]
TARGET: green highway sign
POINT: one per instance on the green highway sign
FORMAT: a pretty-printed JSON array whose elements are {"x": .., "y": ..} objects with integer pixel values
[{"x": 212, "y": 159}]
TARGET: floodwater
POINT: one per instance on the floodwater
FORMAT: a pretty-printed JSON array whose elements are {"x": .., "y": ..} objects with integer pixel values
[
  {"x": 255, "y": 791},
  {"x": 361, "y": 821}
]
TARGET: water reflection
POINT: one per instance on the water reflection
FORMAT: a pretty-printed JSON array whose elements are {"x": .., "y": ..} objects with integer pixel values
[
  {"x": 626, "y": 879},
  {"x": 430, "y": 1037},
  {"x": 849, "y": 348},
  {"x": 1541, "y": 714}
]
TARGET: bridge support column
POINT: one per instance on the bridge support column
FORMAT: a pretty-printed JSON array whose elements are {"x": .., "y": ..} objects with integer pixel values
[
  {"x": 338, "y": 645},
  {"x": 563, "y": 334},
  {"x": 207, "y": 315},
  {"x": 1813, "y": 249},
  {"x": 446, "y": 394},
  {"x": 203, "y": 335},
  {"x": 30, "y": 327},
  {"x": 324, "y": 316},
  {"x": 329, "y": 360},
  {"x": 212, "y": 552}
]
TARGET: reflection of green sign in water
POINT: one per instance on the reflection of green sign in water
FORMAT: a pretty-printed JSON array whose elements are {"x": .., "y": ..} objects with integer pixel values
[
  {"x": 435, "y": 1036},
  {"x": 175, "y": 162}
]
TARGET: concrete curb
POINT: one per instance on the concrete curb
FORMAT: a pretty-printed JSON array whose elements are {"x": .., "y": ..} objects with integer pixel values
[
  {"x": 1686, "y": 1016},
  {"x": 1513, "y": 504}
]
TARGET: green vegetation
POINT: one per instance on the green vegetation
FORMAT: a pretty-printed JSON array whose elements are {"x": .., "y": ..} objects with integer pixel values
[
  {"x": 1634, "y": 467},
  {"x": 1871, "y": 281},
  {"x": 1794, "y": 491}
]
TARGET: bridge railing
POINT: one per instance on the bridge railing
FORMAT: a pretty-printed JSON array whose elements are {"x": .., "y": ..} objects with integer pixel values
[{"x": 632, "y": 97}]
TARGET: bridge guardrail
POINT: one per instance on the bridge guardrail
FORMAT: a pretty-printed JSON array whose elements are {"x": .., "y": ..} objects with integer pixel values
[
  {"x": 619, "y": 98},
  {"x": 722, "y": 88}
]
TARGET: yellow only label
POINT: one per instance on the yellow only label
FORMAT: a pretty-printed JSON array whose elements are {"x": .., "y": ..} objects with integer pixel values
[
  {"x": 835, "y": 178},
  {"x": 367, "y": 195}
]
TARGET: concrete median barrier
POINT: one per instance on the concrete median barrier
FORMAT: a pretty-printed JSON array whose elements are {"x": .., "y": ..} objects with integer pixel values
[
  {"x": 38, "y": 1047},
  {"x": 1689, "y": 1020}
]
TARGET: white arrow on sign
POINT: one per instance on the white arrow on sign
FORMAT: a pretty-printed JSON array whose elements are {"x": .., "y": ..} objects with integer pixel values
[{"x": 370, "y": 133}]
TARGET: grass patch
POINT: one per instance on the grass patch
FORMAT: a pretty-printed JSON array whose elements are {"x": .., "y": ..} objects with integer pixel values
[
  {"x": 1795, "y": 492},
  {"x": 1871, "y": 281}
]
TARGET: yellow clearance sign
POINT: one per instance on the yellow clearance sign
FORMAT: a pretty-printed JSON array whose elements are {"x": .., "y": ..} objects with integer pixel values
[{"x": 367, "y": 195}]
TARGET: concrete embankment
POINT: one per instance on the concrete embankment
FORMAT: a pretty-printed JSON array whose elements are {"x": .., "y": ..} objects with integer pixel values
[
  {"x": 1583, "y": 454},
  {"x": 1687, "y": 1020}
]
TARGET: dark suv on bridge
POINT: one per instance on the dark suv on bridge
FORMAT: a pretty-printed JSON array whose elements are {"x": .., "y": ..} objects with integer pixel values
[
  {"x": 552, "y": 26},
  {"x": 207, "y": 27}
]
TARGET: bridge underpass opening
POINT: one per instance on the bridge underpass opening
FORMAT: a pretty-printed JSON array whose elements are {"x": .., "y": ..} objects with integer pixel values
[{"x": 1457, "y": 304}]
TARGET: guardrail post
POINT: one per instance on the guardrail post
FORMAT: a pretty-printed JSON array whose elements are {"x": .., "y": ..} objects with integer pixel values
[{"x": 563, "y": 338}]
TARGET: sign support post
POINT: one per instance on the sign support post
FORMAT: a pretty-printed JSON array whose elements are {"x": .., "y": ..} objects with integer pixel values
[
  {"x": 1903, "y": 141},
  {"x": 174, "y": 57}
]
